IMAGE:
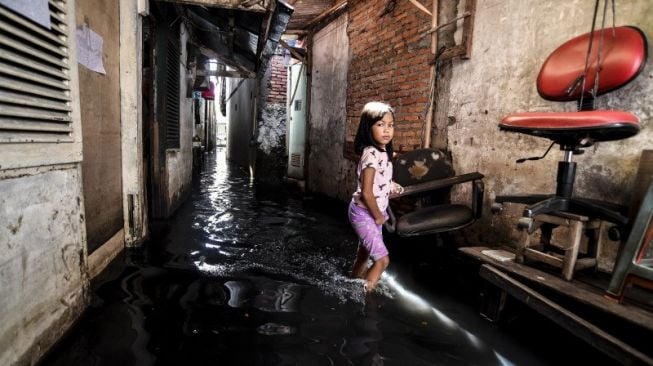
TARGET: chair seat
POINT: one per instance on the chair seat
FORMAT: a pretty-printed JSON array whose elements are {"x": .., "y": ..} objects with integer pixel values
[
  {"x": 570, "y": 127},
  {"x": 435, "y": 219}
]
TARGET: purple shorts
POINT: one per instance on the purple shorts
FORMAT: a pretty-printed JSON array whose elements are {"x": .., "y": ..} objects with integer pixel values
[{"x": 369, "y": 233}]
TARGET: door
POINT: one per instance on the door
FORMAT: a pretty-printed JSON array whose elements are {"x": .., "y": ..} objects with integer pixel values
[{"x": 296, "y": 112}]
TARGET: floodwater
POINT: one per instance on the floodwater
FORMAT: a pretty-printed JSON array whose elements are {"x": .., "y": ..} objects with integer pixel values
[{"x": 250, "y": 275}]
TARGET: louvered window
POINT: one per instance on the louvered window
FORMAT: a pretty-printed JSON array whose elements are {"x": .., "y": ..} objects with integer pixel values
[
  {"x": 172, "y": 90},
  {"x": 35, "y": 103}
]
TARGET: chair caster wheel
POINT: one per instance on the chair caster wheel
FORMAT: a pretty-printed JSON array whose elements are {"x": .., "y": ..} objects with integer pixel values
[
  {"x": 497, "y": 208},
  {"x": 525, "y": 223},
  {"x": 614, "y": 233}
]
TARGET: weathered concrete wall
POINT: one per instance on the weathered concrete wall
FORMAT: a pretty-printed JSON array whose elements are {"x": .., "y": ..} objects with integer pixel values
[
  {"x": 43, "y": 280},
  {"x": 511, "y": 40},
  {"x": 179, "y": 162},
  {"x": 100, "y": 109},
  {"x": 131, "y": 122},
  {"x": 271, "y": 155},
  {"x": 328, "y": 171},
  {"x": 241, "y": 111}
]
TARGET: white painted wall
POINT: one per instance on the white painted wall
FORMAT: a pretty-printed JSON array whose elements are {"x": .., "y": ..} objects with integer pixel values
[{"x": 131, "y": 119}]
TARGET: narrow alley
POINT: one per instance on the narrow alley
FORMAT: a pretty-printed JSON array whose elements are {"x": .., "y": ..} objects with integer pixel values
[
  {"x": 326, "y": 182},
  {"x": 244, "y": 275}
]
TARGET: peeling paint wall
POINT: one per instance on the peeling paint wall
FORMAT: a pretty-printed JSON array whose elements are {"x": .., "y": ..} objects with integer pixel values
[
  {"x": 100, "y": 108},
  {"x": 511, "y": 40},
  {"x": 43, "y": 275},
  {"x": 328, "y": 171},
  {"x": 271, "y": 156},
  {"x": 131, "y": 123}
]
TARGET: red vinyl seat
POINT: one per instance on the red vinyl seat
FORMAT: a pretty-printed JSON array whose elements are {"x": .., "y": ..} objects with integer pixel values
[{"x": 570, "y": 74}]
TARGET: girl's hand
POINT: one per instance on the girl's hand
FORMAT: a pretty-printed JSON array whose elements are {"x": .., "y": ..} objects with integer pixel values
[
  {"x": 380, "y": 221},
  {"x": 396, "y": 188}
]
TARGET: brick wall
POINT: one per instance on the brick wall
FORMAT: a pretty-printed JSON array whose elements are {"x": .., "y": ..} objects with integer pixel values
[
  {"x": 277, "y": 80},
  {"x": 389, "y": 63}
]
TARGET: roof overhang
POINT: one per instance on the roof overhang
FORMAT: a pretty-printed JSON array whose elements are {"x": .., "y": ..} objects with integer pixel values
[
  {"x": 241, "y": 34},
  {"x": 261, "y": 6}
]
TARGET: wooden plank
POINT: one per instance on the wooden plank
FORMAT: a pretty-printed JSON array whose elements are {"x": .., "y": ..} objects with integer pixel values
[
  {"x": 576, "y": 325},
  {"x": 421, "y": 7},
  {"x": 327, "y": 13},
  {"x": 296, "y": 52},
  {"x": 543, "y": 257},
  {"x": 452, "y": 21},
  {"x": 574, "y": 290},
  {"x": 571, "y": 251}
]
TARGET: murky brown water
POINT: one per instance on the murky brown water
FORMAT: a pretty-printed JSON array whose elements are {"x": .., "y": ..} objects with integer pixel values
[{"x": 247, "y": 275}]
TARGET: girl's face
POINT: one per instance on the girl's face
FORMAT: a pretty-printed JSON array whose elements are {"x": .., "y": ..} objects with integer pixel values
[{"x": 383, "y": 130}]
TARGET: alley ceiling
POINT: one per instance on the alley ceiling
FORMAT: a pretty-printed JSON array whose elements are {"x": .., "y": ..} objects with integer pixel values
[
  {"x": 306, "y": 11},
  {"x": 243, "y": 34}
]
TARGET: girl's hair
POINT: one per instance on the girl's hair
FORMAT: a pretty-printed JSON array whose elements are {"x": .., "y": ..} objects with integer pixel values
[{"x": 371, "y": 114}]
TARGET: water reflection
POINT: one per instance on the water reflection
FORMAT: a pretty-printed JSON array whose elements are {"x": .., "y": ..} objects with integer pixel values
[{"x": 251, "y": 277}]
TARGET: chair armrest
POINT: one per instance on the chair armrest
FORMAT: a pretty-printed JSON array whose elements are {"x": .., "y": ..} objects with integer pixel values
[
  {"x": 437, "y": 184},
  {"x": 391, "y": 224}
]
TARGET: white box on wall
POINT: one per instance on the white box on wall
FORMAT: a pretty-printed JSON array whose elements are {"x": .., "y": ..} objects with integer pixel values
[{"x": 143, "y": 7}]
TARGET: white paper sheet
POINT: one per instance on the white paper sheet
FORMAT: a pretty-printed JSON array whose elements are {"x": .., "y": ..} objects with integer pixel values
[
  {"x": 89, "y": 49},
  {"x": 36, "y": 10},
  {"x": 500, "y": 255}
]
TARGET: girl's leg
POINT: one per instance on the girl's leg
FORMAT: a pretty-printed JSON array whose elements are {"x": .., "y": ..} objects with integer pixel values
[
  {"x": 370, "y": 245},
  {"x": 374, "y": 274},
  {"x": 360, "y": 265}
]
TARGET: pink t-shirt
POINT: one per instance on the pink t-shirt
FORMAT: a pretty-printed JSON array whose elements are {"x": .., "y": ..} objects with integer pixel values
[{"x": 374, "y": 158}]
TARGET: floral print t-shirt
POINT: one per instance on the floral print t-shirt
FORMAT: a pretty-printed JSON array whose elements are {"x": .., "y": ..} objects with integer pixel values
[{"x": 377, "y": 159}]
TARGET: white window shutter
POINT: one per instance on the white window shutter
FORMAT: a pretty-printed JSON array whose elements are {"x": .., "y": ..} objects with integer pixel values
[{"x": 35, "y": 102}]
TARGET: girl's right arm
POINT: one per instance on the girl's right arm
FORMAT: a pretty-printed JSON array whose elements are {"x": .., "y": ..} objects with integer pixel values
[{"x": 367, "y": 195}]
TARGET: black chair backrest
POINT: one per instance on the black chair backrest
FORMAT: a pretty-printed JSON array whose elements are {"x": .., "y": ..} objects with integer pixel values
[{"x": 422, "y": 165}]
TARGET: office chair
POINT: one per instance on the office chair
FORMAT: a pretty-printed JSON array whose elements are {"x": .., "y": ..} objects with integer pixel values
[
  {"x": 427, "y": 172},
  {"x": 582, "y": 68}
]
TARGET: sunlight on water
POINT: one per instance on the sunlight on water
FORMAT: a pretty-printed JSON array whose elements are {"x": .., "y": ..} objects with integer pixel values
[{"x": 417, "y": 303}]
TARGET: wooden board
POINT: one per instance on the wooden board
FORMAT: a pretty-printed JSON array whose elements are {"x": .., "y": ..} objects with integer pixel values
[
  {"x": 583, "y": 329},
  {"x": 575, "y": 290}
]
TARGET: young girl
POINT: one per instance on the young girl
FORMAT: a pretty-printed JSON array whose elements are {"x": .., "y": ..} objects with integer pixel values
[{"x": 367, "y": 210}]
